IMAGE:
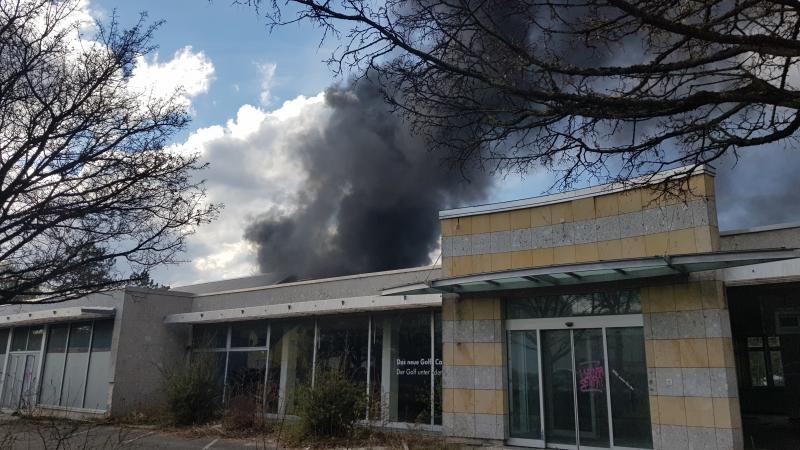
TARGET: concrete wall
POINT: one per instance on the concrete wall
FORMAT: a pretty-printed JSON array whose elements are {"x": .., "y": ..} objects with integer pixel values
[
  {"x": 146, "y": 348},
  {"x": 626, "y": 224},
  {"x": 786, "y": 236},
  {"x": 694, "y": 400},
  {"x": 340, "y": 287},
  {"x": 473, "y": 375}
]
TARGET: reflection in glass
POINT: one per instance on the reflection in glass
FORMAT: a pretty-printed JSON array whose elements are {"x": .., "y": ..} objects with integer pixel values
[
  {"x": 523, "y": 396},
  {"x": 590, "y": 382},
  {"x": 342, "y": 346},
  {"x": 213, "y": 335},
  {"x": 54, "y": 358},
  {"x": 80, "y": 335},
  {"x": 19, "y": 339},
  {"x": 99, "y": 374},
  {"x": 375, "y": 370},
  {"x": 248, "y": 334},
  {"x": 409, "y": 367},
  {"x": 294, "y": 342},
  {"x": 758, "y": 368},
  {"x": 776, "y": 364},
  {"x": 627, "y": 373},
  {"x": 587, "y": 304},
  {"x": 557, "y": 383},
  {"x": 437, "y": 372},
  {"x": 245, "y": 380}
]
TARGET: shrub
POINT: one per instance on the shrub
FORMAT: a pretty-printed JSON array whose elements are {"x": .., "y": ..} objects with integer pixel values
[
  {"x": 192, "y": 394},
  {"x": 332, "y": 407}
]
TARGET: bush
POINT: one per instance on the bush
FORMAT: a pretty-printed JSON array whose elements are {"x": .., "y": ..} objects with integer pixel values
[
  {"x": 192, "y": 394},
  {"x": 332, "y": 407}
]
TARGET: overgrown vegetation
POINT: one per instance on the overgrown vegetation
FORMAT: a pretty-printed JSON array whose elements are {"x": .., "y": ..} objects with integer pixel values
[
  {"x": 331, "y": 408},
  {"x": 192, "y": 394}
]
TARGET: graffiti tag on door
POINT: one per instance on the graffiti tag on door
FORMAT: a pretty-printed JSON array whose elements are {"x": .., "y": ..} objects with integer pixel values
[{"x": 592, "y": 377}]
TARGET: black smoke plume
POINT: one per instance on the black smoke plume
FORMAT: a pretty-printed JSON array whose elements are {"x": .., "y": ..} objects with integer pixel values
[{"x": 373, "y": 195}]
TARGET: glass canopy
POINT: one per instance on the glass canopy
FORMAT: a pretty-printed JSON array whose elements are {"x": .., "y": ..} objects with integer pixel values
[{"x": 595, "y": 272}]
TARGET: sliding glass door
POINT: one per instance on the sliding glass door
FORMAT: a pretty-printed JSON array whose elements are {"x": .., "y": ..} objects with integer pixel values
[{"x": 573, "y": 386}]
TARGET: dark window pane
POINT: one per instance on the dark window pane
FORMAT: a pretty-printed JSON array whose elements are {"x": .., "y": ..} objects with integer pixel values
[
  {"x": 3, "y": 340},
  {"x": 758, "y": 368},
  {"x": 755, "y": 342},
  {"x": 210, "y": 336},
  {"x": 249, "y": 334},
  {"x": 523, "y": 396},
  {"x": 437, "y": 372},
  {"x": 409, "y": 389},
  {"x": 375, "y": 370},
  {"x": 35, "y": 335},
  {"x": 245, "y": 380},
  {"x": 630, "y": 409},
  {"x": 103, "y": 331},
  {"x": 776, "y": 364},
  {"x": 79, "y": 337},
  {"x": 587, "y": 304},
  {"x": 19, "y": 339},
  {"x": 343, "y": 346},
  {"x": 294, "y": 348}
]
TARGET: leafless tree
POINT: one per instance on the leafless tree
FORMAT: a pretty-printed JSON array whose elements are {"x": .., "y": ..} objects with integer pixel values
[
  {"x": 89, "y": 196},
  {"x": 583, "y": 86}
]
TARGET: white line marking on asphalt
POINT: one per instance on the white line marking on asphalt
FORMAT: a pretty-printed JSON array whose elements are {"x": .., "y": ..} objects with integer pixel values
[
  {"x": 138, "y": 437},
  {"x": 210, "y": 444}
]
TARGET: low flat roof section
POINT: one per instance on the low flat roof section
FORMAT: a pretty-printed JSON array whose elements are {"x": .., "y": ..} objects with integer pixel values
[
  {"x": 68, "y": 314},
  {"x": 309, "y": 308},
  {"x": 596, "y": 272}
]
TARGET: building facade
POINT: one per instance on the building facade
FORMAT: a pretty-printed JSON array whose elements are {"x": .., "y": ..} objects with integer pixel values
[{"x": 609, "y": 317}]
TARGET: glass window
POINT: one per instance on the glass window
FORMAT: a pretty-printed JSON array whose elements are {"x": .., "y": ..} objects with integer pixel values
[
  {"x": 77, "y": 361},
  {"x": 272, "y": 392},
  {"x": 19, "y": 339},
  {"x": 249, "y": 334},
  {"x": 3, "y": 341},
  {"x": 410, "y": 365},
  {"x": 437, "y": 368},
  {"x": 586, "y": 304},
  {"x": 627, "y": 375},
  {"x": 210, "y": 336},
  {"x": 35, "y": 336},
  {"x": 758, "y": 368},
  {"x": 54, "y": 359},
  {"x": 342, "y": 346},
  {"x": 776, "y": 364},
  {"x": 375, "y": 370},
  {"x": 294, "y": 347},
  {"x": 523, "y": 372},
  {"x": 245, "y": 380},
  {"x": 99, "y": 373},
  {"x": 755, "y": 342}
]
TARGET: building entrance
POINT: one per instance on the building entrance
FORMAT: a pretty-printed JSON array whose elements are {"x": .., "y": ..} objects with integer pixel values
[{"x": 578, "y": 382}]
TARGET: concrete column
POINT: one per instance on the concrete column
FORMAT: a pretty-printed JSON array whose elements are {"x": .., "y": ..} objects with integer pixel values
[
  {"x": 474, "y": 403},
  {"x": 694, "y": 401}
]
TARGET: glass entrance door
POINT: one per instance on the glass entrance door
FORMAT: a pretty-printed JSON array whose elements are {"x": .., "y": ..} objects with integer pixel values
[{"x": 590, "y": 385}]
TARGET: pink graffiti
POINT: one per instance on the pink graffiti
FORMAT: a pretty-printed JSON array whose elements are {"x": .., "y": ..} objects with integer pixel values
[{"x": 592, "y": 379}]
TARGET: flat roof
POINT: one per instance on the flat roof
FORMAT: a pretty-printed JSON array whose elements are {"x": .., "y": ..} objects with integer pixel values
[
  {"x": 592, "y": 191},
  {"x": 595, "y": 272},
  {"x": 67, "y": 314}
]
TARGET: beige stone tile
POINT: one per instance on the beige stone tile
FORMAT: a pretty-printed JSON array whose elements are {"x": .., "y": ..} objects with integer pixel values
[
  {"x": 564, "y": 254},
  {"x": 633, "y": 247},
  {"x": 681, "y": 242},
  {"x": 522, "y": 259},
  {"x": 542, "y": 257},
  {"x": 720, "y": 352},
  {"x": 485, "y": 354},
  {"x": 447, "y": 400},
  {"x": 650, "y": 355},
  {"x": 562, "y": 212},
  {"x": 463, "y": 354},
  {"x": 630, "y": 201},
  {"x": 501, "y": 261},
  {"x": 586, "y": 253},
  {"x": 448, "y": 309},
  {"x": 447, "y": 266},
  {"x": 654, "y": 417},
  {"x": 699, "y": 411},
  {"x": 462, "y": 265},
  {"x": 661, "y": 298},
  {"x": 713, "y": 295},
  {"x": 456, "y": 226},
  {"x": 694, "y": 353},
  {"x": 667, "y": 353},
  {"x": 727, "y": 413},
  {"x": 484, "y": 308},
  {"x": 653, "y": 196},
  {"x": 500, "y": 401},
  {"x": 481, "y": 224},
  {"x": 715, "y": 239},
  {"x": 672, "y": 411},
  {"x": 485, "y": 401},
  {"x": 500, "y": 221},
  {"x": 701, "y": 186},
  {"x": 583, "y": 209},
  {"x": 702, "y": 239},
  {"x": 541, "y": 216},
  {"x": 688, "y": 297},
  {"x": 464, "y": 309},
  {"x": 656, "y": 244},
  {"x": 448, "y": 227},
  {"x": 606, "y": 205},
  {"x": 520, "y": 219},
  {"x": 482, "y": 263},
  {"x": 464, "y": 401},
  {"x": 448, "y": 355},
  {"x": 609, "y": 250}
]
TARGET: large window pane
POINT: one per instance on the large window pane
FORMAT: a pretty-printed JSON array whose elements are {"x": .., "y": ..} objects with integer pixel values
[
  {"x": 342, "y": 347},
  {"x": 77, "y": 361},
  {"x": 776, "y": 364},
  {"x": 245, "y": 380},
  {"x": 410, "y": 384},
  {"x": 437, "y": 372},
  {"x": 587, "y": 304},
  {"x": 630, "y": 408},
  {"x": 272, "y": 393},
  {"x": 294, "y": 347},
  {"x": 758, "y": 368},
  {"x": 523, "y": 397},
  {"x": 210, "y": 336},
  {"x": 54, "y": 359},
  {"x": 248, "y": 334},
  {"x": 35, "y": 336},
  {"x": 590, "y": 382},
  {"x": 375, "y": 370},
  {"x": 99, "y": 366},
  {"x": 3, "y": 345},
  {"x": 19, "y": 339}
]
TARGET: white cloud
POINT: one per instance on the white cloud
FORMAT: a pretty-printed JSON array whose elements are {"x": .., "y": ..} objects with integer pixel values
[
  {"x": 252, "y": 170},
  {"x": 188, "y": 73},
  {"x": 267, "y": 71}
]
